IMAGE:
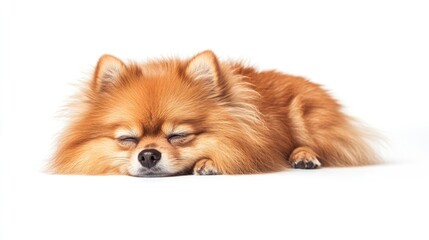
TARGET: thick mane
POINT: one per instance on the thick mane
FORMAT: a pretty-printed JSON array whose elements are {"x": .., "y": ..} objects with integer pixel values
[{"x": 241, "y": 99}]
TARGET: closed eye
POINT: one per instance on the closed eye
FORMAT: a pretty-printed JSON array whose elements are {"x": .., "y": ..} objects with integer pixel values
[
  {"x": 176, "y": 138},
  {"x": 128, "y": 139}
]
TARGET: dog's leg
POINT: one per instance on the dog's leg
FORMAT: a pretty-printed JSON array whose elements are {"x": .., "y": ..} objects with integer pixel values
[
  {"x": 206, "y": 167},
  {"x": 304, "y": 158}
]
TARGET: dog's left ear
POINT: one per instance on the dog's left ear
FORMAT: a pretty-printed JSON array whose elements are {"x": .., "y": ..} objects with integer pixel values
[
  {"x": 204, "y": 67},
  {"x": 107, "y": 72}
]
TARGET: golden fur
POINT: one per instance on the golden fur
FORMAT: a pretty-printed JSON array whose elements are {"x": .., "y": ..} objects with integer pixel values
[{"x": 230, "y": 119}]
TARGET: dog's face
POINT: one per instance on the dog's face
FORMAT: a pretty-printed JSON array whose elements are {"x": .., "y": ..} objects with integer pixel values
[{"x": 155, "y": 120}]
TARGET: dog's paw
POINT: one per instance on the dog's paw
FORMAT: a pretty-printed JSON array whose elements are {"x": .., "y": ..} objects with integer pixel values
[
  {"x": 304, "y": 158},
  {"x": 206, "y": 167}
]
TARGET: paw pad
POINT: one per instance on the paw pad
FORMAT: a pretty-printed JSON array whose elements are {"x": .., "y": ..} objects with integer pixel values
[{"x": 307, "y": 164}]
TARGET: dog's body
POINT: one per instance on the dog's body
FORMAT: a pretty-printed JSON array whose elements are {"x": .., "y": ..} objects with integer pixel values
[{"x": 202, "y": 116}]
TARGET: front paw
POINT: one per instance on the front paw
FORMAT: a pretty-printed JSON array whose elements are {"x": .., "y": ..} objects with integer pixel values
[{"x": 206, "y": 167}]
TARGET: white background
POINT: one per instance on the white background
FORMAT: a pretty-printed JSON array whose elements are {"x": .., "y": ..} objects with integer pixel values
[{"x": 372, "y": 55}]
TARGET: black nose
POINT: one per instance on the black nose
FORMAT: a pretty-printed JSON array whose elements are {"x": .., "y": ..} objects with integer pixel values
[{"x": 149, "y": 157}]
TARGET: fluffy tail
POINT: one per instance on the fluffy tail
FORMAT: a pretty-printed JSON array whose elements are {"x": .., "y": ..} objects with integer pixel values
[{"x": 346, "y": 145}]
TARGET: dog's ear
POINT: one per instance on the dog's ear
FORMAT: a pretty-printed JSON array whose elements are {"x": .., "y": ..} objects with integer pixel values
[
  {"x": 107, "y": 72},
  {"x": 204, "y": 67}
]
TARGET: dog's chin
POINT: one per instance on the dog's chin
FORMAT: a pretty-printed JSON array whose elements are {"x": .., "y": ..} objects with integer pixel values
[
  {"x": 157, "y": 173},
  {"x": 150, "y": 173}
]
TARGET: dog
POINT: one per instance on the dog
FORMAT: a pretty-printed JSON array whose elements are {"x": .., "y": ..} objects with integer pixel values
[{"x": 203, "y": 116}]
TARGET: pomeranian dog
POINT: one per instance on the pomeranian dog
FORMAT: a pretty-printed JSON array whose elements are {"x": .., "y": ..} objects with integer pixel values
[{"x": 202, "y": 116}]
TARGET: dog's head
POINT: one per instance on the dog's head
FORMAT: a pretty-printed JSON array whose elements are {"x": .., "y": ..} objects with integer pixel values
[{"x": 157, "y": 115}]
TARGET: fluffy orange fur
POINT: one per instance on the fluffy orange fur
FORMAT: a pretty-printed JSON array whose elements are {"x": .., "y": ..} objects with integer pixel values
[{"x": 205, "y": 117}]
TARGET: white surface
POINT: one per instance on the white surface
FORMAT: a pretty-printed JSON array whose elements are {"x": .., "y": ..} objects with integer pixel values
[
  {"x": 364, "y": 203},
  {"x": 372, "y": 55}
]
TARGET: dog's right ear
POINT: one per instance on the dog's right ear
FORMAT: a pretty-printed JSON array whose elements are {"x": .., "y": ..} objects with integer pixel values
[{"x": 107, "y": 72}]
